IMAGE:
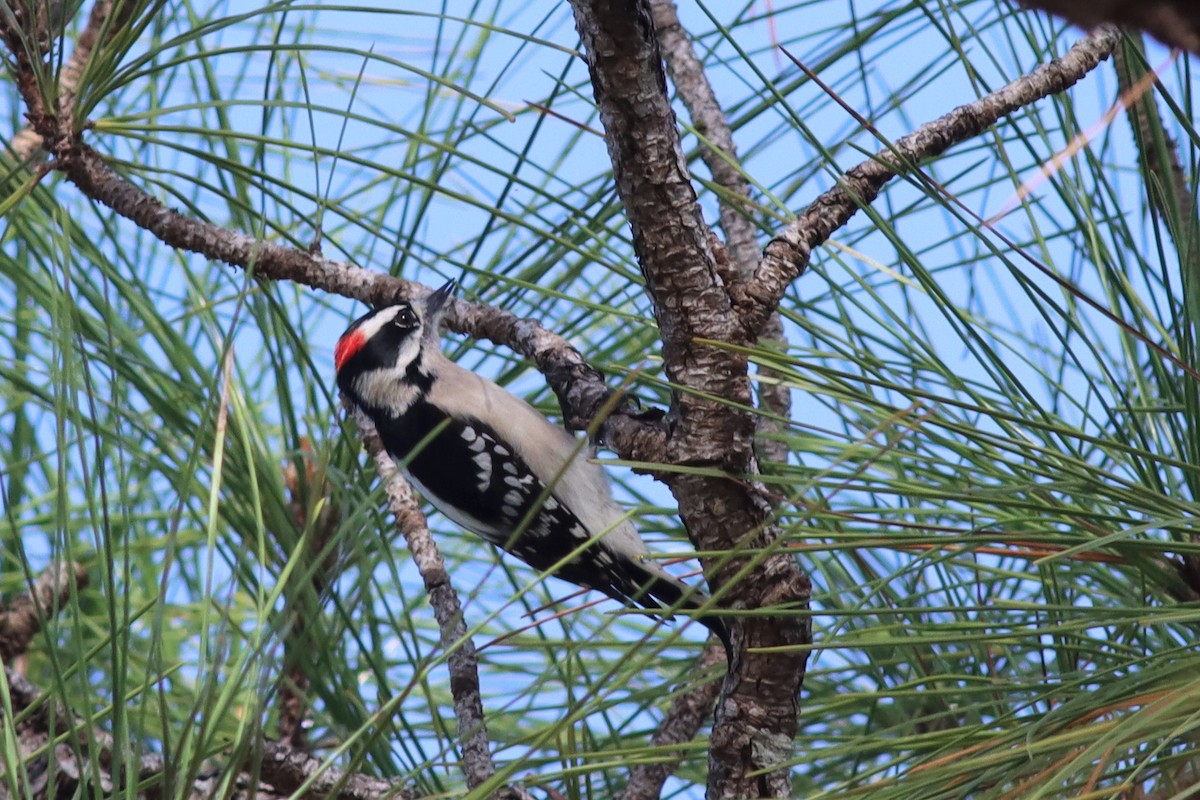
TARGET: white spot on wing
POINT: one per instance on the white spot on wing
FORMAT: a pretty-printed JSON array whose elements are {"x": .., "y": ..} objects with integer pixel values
[{"x": 484, "y": 462}]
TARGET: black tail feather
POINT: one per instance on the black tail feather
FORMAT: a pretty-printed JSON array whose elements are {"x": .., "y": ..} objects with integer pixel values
[{"x": 653, "y": 589}]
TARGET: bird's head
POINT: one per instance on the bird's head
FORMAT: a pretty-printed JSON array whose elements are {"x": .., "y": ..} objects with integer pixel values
[{"x": 387, "y": 345}]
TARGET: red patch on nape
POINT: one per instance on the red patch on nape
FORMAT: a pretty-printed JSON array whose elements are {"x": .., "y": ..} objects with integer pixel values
[{"x": 347, "y": 346}]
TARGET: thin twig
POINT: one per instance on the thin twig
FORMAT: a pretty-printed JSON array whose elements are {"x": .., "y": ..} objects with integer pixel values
[
  {"x": 787, "y": 255},
  {"x": 717, "y": 149},
  {"x": 463, "y": 662}
]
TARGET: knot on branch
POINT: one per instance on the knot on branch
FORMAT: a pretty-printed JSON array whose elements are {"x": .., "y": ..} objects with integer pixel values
[{"x": 783, "y": 585}]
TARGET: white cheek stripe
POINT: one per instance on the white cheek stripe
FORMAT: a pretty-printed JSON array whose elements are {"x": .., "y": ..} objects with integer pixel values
[{"x": 375, "y": 324}]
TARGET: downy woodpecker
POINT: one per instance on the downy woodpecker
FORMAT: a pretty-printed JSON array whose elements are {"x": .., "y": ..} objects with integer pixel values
[{"x": 494, "y": 465}]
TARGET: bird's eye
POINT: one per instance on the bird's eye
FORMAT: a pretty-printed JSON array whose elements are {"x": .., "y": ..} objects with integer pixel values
[{"x": 405, "y": 318}]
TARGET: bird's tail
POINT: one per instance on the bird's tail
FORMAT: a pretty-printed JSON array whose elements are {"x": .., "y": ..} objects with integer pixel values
[{"x": 671, "y": 592}]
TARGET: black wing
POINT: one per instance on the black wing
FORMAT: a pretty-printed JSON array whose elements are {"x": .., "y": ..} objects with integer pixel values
[{"x": 470, "y": 476}]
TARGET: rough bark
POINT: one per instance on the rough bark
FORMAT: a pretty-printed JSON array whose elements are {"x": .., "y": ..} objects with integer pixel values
[
  {"x": 717, "y": 151},
  {"x": 1173, "y": 22},
  {"x": 25, "y": 615},
  {"x": 719, "y": 154},
  {"x": 689, "y": 288}
]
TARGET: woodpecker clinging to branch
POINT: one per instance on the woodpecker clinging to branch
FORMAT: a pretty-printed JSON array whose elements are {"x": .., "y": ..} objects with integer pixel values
[{"x": 493, "y": 464}]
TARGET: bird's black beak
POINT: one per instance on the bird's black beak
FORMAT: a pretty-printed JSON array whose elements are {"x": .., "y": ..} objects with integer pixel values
[
  {"x": 435, "y": 301},
  {"x": 435, "y": 304}
]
